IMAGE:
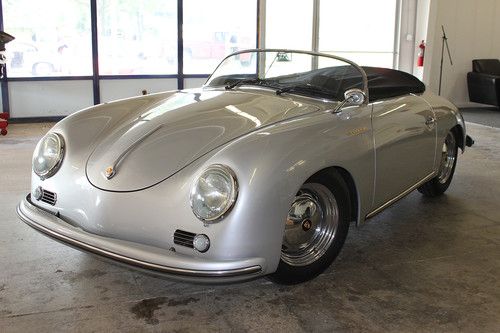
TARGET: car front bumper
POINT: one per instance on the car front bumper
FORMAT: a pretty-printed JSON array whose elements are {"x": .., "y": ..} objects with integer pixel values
[{"x": 151, "y": 259}]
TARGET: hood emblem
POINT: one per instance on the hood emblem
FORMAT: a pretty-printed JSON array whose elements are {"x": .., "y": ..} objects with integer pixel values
[{"x": 109, "y": 172}]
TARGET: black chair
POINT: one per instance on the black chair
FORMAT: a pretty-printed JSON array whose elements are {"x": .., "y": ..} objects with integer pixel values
[{"x": 484, "y": 81}]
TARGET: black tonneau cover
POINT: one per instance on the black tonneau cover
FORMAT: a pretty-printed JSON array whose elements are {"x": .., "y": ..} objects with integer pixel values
[
  {"x": 386, "y": 83},
  {"x": 382, "y": 82}
]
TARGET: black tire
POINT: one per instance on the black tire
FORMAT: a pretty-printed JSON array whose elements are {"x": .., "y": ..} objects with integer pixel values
[
  {"x": 287, "y": 273},
  {"x": 438, "y": 185}
]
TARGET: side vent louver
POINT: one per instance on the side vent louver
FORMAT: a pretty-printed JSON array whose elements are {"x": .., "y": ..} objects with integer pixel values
[
  {"x": 184, "y": 238},
  {"x": 49, "y": 197}
]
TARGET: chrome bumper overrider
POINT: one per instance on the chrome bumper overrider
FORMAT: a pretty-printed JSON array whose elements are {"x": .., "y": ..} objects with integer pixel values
[{"x": 139, "y": 256}]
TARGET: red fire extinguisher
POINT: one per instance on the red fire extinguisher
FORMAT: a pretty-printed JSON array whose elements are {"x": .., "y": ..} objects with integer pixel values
[{"x": 421, "y": 53}]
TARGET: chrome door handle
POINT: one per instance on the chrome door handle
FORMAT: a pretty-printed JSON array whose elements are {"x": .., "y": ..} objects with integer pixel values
[{"x": 430, "y": 121}]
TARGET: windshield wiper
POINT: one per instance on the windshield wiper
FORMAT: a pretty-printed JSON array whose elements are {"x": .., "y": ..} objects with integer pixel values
[
  {"x": 304, "y": 88},
  {"x": 244, "y": 81}
]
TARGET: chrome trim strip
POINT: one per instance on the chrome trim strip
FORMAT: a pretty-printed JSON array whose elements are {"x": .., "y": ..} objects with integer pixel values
[
  {"x": 128, "y": 150},
  {"x": 401, "y": 195},
  {"x": 127, "y": 260}
]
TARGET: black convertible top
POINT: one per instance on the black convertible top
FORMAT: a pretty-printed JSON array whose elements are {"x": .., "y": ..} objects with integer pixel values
[
  {"x": 382, "y": 82},
  {"x": 386, "y": 83}
]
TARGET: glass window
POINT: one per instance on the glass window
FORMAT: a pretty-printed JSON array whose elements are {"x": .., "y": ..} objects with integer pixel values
[
  {"x": 53, "y": 37},
  {"x": 293, "y": 72},
  {"x": 213, "y": 29},
  {"x": 290, "y": 31},
  {"x": 137, "y": 37},
  {"x": 368, "y": 39}
]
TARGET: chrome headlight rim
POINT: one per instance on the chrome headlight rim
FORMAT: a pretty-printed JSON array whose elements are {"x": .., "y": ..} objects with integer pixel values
[
  {"x": 232, "y": 198},
  {"x": 62, "y": 149}
]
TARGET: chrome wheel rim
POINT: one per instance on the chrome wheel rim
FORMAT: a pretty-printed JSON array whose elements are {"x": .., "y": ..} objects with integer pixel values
[
  {"x": 448, "y": 157},
  {"x": 310, "y": 226}
]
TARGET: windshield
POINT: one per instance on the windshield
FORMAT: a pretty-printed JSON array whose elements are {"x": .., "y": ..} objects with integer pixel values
[{"x": 299, "y": 72}]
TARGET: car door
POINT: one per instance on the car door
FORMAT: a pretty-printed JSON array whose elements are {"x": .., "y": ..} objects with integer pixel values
[{"x": 404, "y": 132}]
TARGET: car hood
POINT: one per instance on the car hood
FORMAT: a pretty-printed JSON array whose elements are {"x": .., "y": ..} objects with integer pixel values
[{"x": 169, "y": 133}]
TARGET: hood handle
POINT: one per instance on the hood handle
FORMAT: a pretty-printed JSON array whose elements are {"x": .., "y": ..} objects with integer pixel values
[{"x": 110, "y": 171}]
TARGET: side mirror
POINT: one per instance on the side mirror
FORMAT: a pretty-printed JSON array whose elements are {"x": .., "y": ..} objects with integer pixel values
[{"x": 353, "y": 96}]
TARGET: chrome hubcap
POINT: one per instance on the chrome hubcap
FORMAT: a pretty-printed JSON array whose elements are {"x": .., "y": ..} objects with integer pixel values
[
  {"x": 447, "y": 158},
  {"x": 310, "y": 226}
]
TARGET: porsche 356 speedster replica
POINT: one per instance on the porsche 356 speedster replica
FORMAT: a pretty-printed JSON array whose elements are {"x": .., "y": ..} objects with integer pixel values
[{"x": 259, "y": 172}]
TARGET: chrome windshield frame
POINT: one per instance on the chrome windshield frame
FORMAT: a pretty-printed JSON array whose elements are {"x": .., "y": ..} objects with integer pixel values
[{"x": 318, "y": 54}]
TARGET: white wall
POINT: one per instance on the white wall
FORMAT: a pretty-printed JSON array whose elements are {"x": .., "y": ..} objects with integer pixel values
[
  {"x": 473, "y": 29},
  {"x": 194, "y": 82},
  {"x": 421, "y": 27},
  {"x": 122, "y": 88},
  {"x": 49, "y": 98},
  {"x": 407, "y": 40},
  {"x": 62, "y": 98}
]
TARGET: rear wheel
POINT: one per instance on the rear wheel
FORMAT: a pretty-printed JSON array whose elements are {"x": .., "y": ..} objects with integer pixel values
[
  {"x": 315, "y": 229},
  {"x": 439, "y": 184}
]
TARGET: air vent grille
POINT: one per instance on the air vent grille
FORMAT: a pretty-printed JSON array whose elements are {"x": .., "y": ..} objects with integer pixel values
[
  {"x": 184, "y": 238},
  {"x": 49, "y": 197}
]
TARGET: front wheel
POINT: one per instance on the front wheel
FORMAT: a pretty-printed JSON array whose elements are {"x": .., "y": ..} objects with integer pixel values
[
  {"x": 439, "y": 184},
  {"x": 315, "y": 229}
]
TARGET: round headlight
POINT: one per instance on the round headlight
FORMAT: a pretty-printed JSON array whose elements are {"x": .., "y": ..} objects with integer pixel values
[
  {"x": 48, "y": 155},
  {"x": 214, "y": 193}
]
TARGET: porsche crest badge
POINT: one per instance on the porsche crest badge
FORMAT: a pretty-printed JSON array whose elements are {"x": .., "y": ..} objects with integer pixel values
[{"x": 109, "y": 173}]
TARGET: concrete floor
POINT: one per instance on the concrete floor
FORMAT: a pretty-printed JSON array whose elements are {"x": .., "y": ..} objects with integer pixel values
[
  {"x": 423, "y": 265},
  {"x": 488, "y": 116}
]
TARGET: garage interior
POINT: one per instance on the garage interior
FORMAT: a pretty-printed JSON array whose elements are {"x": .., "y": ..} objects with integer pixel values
[{"x": 425, "y": 264}]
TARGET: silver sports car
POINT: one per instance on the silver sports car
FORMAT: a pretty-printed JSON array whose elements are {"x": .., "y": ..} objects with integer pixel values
[{"x": 259, "y": 172}]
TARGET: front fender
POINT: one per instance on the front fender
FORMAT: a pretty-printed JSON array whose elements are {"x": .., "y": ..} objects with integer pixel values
[{"x": 271, "y": 165}]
